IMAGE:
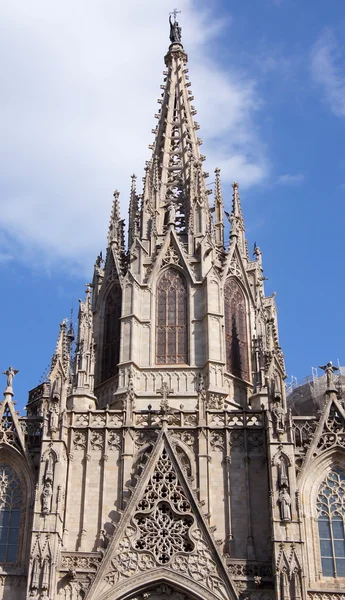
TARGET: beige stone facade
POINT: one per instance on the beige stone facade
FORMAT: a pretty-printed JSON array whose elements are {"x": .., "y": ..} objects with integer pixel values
[{"x": 159, "y": 458}]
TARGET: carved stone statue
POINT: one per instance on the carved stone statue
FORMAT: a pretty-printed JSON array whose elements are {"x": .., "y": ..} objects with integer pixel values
[
  {"x": 175, "y": 32},
  {"x": 285, "y": 504},
  {"x": 329, "y": 369},
  {"x": 11, "y": 372},
  {"x": 279, "y": 416},
  {"x": 46, "y": 497}
]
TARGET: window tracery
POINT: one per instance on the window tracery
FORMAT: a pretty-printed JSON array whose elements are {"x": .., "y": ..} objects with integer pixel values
[
  {"x": 236, "y": 343},
  {"x": 112, "y": 332},
  {"x": 163, "y": 516},
  {"x": 171, "y": 316},
  {"x": 331, "y": 522},
  {"x": 11, "y": 501}
]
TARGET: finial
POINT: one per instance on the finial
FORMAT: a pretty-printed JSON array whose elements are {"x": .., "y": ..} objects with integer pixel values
[
  {"x": 175, "y": 29},
  {"x": 10, "y": 373}
]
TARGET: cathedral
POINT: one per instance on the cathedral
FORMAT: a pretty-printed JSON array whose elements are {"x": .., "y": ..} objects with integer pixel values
[{"x": 161, "y": 459}]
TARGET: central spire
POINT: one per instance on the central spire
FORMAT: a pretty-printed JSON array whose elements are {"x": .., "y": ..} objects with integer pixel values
[{"x": 175, "y": 181}]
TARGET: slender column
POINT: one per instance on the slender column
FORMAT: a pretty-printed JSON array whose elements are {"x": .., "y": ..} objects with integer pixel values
[
  {"x": 85, "y": 485},
  {"x": 250, "y": 540},
  {"x": 227, "y": 463},
  {"x": 101, "y": 516},
  {"x": 203, "y": 458}
]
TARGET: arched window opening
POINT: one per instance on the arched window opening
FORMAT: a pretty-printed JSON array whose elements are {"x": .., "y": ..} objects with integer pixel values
[
  {"x": 171, "y": 319},
  {"x": 112, "y": 333},
  {"x": 236, "y": 344},
  {"x": 331, "y": 521},
  {"x": 11, "y": 502}
]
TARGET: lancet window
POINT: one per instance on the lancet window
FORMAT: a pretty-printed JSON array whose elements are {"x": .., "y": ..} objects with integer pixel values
[
  {"x": 11, "y": 503},
  {"x": 171, "y": 318},
  {"x": 112, "y": 332},
  {"x": 236, "y": 345},
  {"x": 331, "y": 521}
]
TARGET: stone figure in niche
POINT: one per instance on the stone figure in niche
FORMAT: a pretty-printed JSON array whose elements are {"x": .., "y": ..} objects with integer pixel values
[
  {"x": 279, "y": 417},
  {"x": 329, "y": 369},
  {"x": 53, "y": 417},
  {"x": 171, "y": 209},
  {"x": 285, "y": 504},
  {"x": 47, "y": 497}
]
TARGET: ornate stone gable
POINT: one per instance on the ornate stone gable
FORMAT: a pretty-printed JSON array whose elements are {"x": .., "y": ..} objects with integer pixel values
[
  {"x": 11, "y": 432},
  {"x": 330, "y": 432},
  {"x": 162, "y": 528}
]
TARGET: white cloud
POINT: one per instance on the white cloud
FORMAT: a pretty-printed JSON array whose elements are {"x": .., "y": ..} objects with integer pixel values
[
  {"x": 77, "y": 108},
  {"x": 328, "y": 71},
  {"x": 288, "y": 179}
]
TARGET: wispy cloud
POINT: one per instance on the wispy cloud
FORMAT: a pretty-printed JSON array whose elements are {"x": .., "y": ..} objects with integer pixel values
[
  {"x": 328, "y": 71},
  {"x": 77, "y": 110},
  {"x": 288, "y": 179}
]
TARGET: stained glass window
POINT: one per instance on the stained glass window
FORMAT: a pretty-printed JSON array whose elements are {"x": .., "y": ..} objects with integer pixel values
[
  {"x": 11, "y": 500},
  {"x": 331, "y": 517},
  {"x": 112, "y": 332},
  {"x": 171, "y": 319},
  {"x": 236, "y": 345}
]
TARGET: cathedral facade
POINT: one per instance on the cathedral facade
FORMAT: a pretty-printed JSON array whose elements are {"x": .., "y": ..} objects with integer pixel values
[{"x": 159, "y": 459}]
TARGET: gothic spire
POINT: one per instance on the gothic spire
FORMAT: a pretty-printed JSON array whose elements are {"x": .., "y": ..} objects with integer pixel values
[
  {"x": 175, "y": 154},
  {"x": 114, "y": 233},
  {"x": 236, "y": 218},
  {"x": 133, "y": 213},
  {"x": 218, "y": 209}
]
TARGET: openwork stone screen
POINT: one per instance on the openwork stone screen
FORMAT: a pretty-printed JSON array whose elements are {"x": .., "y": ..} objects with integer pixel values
[
  {"x": 331, "y": 516},
  {"x": 171, "y": 316},
  {"x": 235, "y": 330},
  {"x": 11, "y": 501},
  {"x": 112, "y": 332},
  {"x": 163, "y": 515}
]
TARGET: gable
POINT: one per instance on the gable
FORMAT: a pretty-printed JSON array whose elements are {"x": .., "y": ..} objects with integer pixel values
[{"x": 163, "y": 534}]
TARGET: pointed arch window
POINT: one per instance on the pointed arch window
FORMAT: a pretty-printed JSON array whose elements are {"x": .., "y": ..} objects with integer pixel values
[
  {"x": 171, "y": 319},
  {"x": 11, "y": 503},
  {"x": 236, "y": 344},
  {"x": 331, "y": 522},
  {"x": 112, "y": 332}
]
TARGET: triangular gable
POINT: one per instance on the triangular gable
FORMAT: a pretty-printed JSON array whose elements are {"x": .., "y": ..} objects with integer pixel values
[
  {"x": 170, "y": 253},
  {"x": 234, "y": 267},
  {"x": 10, "y": 430},
  {"x": 162, "y": 531},
  {"x": 330, "y": 432}
]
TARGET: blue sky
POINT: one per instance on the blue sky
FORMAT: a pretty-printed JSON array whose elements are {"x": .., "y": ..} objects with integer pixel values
[{"x": 80, "y": 82}]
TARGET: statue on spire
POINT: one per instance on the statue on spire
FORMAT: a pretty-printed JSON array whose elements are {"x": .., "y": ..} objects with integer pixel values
[{"x": 175, "y": 29}]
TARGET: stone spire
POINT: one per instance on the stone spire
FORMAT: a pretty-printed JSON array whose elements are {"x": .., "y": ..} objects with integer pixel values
[
  {"x": 175, "y": 181},
  {"x": 236, "y": 219},
  {"x": 218, "y": 210},
  {"x": 133, "y": 213},
  {"x": 115, "y": 234}
]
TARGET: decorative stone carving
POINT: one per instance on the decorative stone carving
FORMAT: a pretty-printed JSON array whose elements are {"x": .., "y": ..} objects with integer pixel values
[
  {"x": 79, "y": 440},
  {"x": 217, "y": 440},
  {"x": 97, "y": 440}
]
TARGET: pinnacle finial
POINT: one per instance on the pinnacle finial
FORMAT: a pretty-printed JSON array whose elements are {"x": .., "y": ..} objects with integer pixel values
[
  {"x": 175, "y": 29},
  {"x": 10, "y": 374}
]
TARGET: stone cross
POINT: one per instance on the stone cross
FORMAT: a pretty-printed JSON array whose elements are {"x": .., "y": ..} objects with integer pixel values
[
  {"x": 175, "y": 12},
  {"x": 164, "y": 391}
]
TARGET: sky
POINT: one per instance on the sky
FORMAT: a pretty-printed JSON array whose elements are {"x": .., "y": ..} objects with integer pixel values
[{"x": 80, "y": 82}]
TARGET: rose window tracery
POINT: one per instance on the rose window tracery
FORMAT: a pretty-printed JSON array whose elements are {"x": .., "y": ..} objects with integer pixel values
[{"x": 163, "y": 516}]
